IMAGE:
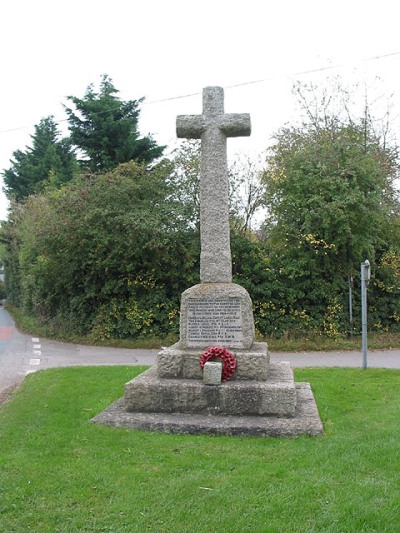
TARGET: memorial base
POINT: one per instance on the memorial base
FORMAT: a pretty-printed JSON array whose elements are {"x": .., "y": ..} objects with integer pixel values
[
  {"x": 261, "y": 398},
  {"x": 273, "y": 407},
  {"x": 306, "y": 420}
]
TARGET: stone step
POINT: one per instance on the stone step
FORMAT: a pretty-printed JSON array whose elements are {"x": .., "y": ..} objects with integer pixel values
[
  {"x": 174, "y": 362},
  {"x": 275, "y": 396},
  {"x": 305, "y": 422}
]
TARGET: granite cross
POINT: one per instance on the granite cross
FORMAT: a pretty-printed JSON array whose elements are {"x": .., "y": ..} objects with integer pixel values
[{"x": 213, "y": 127}]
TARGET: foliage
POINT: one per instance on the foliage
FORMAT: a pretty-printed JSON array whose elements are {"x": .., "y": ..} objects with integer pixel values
[
  {"x": 84, "y": 477},
  {"x": 107, "y": 254},
  {"x": 11, "y": 243},
  {"x": 247, "y": 192},
  {"x": 326, "y": 193},
  {"x": 110, "y": 253},
  {"x": 185, "y": 180},
  {"x": 105, "y": 129},
  {"x": 2, "y": 290},
  {"x": 384, "y": 301},
  {"x": 330, "y": 200},
  {"x": 49, "y": 162}
]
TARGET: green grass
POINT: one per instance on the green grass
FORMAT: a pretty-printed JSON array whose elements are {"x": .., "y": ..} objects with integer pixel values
[{"x": 60, "y": 473}]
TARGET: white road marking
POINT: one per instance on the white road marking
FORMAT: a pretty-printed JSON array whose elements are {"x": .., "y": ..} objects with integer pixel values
[
  {"x": 35, "y": 339},
  {"x": 34, "y": 362},
  {"x": 37, "y": 346},
  {"x": 37, "y": 352}
]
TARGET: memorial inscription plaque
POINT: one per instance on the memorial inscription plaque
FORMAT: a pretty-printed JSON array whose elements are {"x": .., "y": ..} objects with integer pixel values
[{"x": 214, "y": 322}]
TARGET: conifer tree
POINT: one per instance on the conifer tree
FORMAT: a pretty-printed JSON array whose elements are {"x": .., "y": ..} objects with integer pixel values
[
  {"x": 48, "y": 161},
  {"x": 105, "y": 129}
]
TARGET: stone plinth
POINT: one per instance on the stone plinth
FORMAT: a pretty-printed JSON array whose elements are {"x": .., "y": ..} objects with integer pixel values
[
  {"x": 273, "y": 397},
  {"x": 216, "y": 314},
  {"x": 174, "y": 362},
  {"x": 305, "y": 422}
]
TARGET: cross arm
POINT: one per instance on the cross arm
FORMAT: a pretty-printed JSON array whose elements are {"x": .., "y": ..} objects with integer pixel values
[
  {"x": 190, "y": 126},
  {"x": 236, "y": 125}
]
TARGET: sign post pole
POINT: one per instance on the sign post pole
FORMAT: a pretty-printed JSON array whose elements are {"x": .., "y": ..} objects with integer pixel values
[{"x": 365, "y": 277}]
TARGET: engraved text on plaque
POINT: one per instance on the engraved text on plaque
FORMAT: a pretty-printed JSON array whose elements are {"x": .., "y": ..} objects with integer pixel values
[{"x": 217, "y": 322}]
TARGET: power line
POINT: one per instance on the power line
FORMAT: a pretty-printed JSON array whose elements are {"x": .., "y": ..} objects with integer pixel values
[
  {"x": 272, "y": 78},
  {"x": 171, "y": 98},
  {"x": 242, "y": 84}
]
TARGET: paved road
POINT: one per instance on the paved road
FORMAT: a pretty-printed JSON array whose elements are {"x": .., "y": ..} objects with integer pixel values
[{"x": 22, "y": 354}]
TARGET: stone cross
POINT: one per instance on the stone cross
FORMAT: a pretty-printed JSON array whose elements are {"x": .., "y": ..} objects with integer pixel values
[{"x": 213, "y": 127}]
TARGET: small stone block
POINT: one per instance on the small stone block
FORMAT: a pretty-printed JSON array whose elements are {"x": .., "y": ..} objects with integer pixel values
[{"x": 212, "y": 373}]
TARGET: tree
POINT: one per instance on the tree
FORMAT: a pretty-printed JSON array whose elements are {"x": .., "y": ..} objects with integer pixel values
[
  {"x": 185, "y": 180},
  {"x": 330, "y": 199},
  {"x": 247, "y": 192},
  {"x": 49, "y": 161},
  {"x": 105, "y": 129},
  {"x": 106, "y": 254}
]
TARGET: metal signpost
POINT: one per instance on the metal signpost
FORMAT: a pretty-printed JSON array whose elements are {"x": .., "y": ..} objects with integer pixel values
[
  {"x": 365, "y": 277},
  {"x": 351, "y": 287}
]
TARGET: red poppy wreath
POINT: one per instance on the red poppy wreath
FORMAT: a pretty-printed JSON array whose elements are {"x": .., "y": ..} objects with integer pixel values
[{"x": 216, "y": 352}]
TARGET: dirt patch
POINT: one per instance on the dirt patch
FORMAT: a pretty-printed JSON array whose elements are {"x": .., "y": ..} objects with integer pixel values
[{"x": 6, "y": 394}]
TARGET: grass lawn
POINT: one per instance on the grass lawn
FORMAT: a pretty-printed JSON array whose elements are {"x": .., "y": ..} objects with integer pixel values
[{"x": 60, "y": 473}]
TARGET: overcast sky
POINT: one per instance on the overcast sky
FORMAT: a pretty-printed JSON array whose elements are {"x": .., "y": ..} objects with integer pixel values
[{"x": 166, "y": 49}]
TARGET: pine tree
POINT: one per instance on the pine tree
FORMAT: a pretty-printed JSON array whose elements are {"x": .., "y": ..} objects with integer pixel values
[
  {"x": 105, "y": 129},
  {"x": 48, "y": 161}
]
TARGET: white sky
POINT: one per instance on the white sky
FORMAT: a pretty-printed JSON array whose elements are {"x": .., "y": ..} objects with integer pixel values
[{"x": 168, "y": 48}]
